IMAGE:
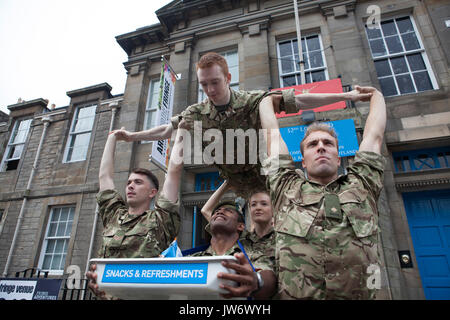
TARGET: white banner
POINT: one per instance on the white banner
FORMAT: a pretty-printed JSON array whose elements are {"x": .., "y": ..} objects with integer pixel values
[{"x": 159, "y": 155}]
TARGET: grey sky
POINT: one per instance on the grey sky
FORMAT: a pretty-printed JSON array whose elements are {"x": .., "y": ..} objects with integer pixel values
[{"x": 49, "y": 47}]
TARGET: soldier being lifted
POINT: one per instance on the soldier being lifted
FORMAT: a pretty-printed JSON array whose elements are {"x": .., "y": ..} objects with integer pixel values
[
  {"x": 228, "y": 109},
  {"x": 326, "y": 226}
]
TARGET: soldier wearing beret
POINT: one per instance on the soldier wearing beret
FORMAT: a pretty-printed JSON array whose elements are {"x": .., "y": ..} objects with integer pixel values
[{"x": 326, "y": 225}]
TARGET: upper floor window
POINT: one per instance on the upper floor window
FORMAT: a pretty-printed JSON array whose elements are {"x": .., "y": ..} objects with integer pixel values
[
  {"x": 16, "y": 145},
  {"x": 288, "y": 61},
  {"x": 232, "y": 59},
  {"x": 80, "y": 134},
  {"x": 151, "y": 108},
  {"x": 400, "y": 59}
]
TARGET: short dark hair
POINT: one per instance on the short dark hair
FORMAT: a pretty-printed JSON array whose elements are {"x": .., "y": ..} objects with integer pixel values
[
  {"x": 319, "y": 126},
  {"x": 149, "y": 175}
]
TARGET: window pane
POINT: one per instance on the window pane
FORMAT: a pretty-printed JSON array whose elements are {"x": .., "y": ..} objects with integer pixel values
[
  {"x": 50, "y": 246},
  {"x": 373, "y": 33},
  {"x": 55, "y": 214},
  {"x": 56, "y": 262},
  {"x": 307, "y": 77},
  {"x": 47, "y": 262},
  {"x": 234, "y": 73},
  {"x": 59, "y": 246},
  {"x": 64, "y": 214},
  {"x": 285, "y": 49},
  {"x": 16, "y": 151},
  {"x": 388, "y": 28},
  {"x": 410, "y": 41},
  {"x": 388, "y": 86},
  {"x": 52, "y": 229},
  {"x": 287, "y": 65},
  {"x": 399, "y": 65},
  {"x": 232, "y": 59},
  {"x": 289, "y": 81},
  {"x": 383, "y": 68},
  {"x": 422, "y": 81},
  {"x": 405, "y": 84},
  {"x": 416, "y": 62},
  {"x": 81, "y": 140},
  {"x": 68, "y": 229},
  {"x": 404, "y": 25},
  {"x": 313, "y": 43},
  {"x": 318, "y": 76},
  {"x": 77, "y": 154},
  {"x": 377, "y": 47},
  {"x": 150, "y": 119},
  {"x": 394, "y": 44},
  {"x": 315, "y": 59}
]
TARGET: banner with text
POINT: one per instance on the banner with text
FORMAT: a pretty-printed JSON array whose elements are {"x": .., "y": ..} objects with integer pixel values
[
  {"x": 162, "y": 273},
  {"x": 29, "y": 289},
  {"x": 345, "y": 130},
  {"x": 160, "y": 149}
]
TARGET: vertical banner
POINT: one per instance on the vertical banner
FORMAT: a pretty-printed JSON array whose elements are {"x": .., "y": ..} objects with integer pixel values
[{"x": 160, "y": 149}]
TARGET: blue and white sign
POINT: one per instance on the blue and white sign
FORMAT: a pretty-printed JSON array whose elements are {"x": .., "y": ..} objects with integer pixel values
[
  {"x": 162, "y": 273},
  {"x": 345, "y": 130}
]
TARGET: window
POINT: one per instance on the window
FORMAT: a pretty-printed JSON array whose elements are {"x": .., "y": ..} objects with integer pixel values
[
  {"x": 16, "y": 145},
  {"x": 80, "y": 134},
  {"x": 400, "y": 60},
  {"x": 57, "y": 236},
  {"x": 152, "y": 104},
  {"x": 233, "y": 67},
  {"x": 288, "y": 61},
  {"x": 422, "y": 160}
]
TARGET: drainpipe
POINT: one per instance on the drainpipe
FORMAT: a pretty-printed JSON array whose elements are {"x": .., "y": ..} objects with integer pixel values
[
  {"x": 114, "y": 106},
  {"x": 46, "y": 121}
]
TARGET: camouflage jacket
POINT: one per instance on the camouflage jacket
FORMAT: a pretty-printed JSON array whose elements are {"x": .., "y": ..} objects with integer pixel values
[
  {"x": 136, "y": 236},
  {"x": 258, "y": 256},
  {"x": 242, "y": 168},
  {"x": 326, "y": 236}
]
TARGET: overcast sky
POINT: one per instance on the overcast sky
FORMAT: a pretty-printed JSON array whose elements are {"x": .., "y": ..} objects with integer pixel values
[{"x": 49, "y": 47}]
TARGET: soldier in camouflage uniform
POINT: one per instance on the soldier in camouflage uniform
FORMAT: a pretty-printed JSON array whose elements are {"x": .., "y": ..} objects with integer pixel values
[
  {"x": 228, "y": 109},
  {"x": 131, "y": 230},
  {"x": 226, "y": 227},
  {"x": 326, "y": 226}
]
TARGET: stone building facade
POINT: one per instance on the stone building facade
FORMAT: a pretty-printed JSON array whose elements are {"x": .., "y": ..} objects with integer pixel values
[{"x": 408, "y": 59}]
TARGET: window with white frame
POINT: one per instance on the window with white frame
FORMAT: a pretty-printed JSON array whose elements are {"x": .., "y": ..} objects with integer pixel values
[
  {"x": 151, "y": 108},
  {"x": 313, "y": 56},
  {"x": 80, "y": 134},
  {"x": 16, "y": 145},
  {"x": 400, "y": 59},
  {"x": 57, "y": 237},
  {"x": 232, "y": 59}
]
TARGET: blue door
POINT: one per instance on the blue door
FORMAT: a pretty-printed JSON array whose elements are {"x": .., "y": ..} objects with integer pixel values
[{"x": 428, "y": 216}]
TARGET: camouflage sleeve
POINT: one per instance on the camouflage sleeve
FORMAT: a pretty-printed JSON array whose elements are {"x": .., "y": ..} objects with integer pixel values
[
  {"x": 369, "y": 166},
  {"x": 168, "y": 216},
  {"x": 280, "y": 172},
  {"x": 288, "y": 102},
  {"x": 189, "y": 115},
  {"x": 263, "y": 257},
  {"x": 108, "y": 202}
]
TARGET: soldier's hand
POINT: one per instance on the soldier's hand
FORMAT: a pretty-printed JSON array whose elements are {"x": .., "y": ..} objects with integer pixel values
[
  {"x": 358, "y": 94},
  {"x": 92, "y": 276},
  {"x": 122, "y": 134},
  {"x": 245, "y": 277}
]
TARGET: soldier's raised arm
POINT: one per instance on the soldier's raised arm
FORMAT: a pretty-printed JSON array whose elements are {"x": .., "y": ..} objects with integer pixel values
[
  {"x": 269, "y": 123},
  {"x": 106, "y": 171},
  {"x": 161, "y": 132},
  {"x": 214, "y": 200},
  {"x": 375, "y": 123}
]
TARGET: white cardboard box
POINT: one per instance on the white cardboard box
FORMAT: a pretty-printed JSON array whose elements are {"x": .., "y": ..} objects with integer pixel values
[{"x": 162, "y": 278}]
